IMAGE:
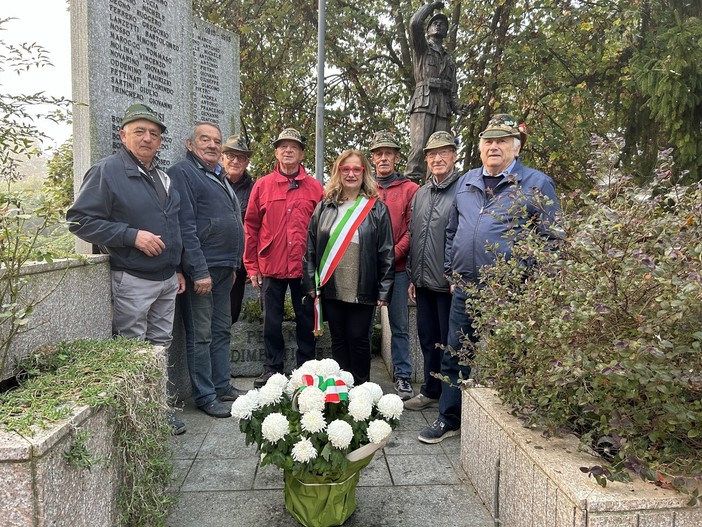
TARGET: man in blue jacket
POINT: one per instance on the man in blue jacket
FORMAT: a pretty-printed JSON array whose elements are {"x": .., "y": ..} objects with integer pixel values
[
  {"x": 492, "y": 202},
  {"x": 213, "y": 243},
  {"x": 128, "y": 207}
]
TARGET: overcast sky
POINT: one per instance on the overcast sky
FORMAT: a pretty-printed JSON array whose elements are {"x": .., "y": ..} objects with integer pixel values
[{"x": 47, "y": 23}]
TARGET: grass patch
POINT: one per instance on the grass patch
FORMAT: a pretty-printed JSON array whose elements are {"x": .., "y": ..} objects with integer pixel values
[{"x": 120, "y": 375}]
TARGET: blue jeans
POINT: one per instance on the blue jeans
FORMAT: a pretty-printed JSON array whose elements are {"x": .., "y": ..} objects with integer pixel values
[
  {"x": 208, "y": 320},
  {"x": 433, "y": 310},
  {"x": 273, "y": 291},
  {"x": 399, "y": 327},
  {"x": 460, "y": 327}
]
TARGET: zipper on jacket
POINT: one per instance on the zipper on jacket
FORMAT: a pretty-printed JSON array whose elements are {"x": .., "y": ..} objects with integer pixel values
[
  {"x": 486, "y": 201},
  {"x": 434, "y": 196}
]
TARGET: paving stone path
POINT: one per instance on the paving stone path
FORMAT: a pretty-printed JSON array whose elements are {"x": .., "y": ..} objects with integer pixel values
[{"x": 408, "y": 484}]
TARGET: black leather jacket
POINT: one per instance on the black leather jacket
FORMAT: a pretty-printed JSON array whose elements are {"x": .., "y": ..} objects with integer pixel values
[{"x": 377, "y": 249}]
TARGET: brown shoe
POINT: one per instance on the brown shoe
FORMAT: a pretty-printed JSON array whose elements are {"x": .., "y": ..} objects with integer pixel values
[{"x": 421, "y": 402}]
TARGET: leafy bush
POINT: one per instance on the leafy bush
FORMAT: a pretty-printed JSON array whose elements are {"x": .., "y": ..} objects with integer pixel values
[
  {"x": 59, "y": 180},
  {"x": 24, "y": 222},
  {"x": 602, "y": 337}
]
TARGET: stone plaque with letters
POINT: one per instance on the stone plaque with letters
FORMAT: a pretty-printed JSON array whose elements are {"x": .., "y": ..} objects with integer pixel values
[{"x": 152, "y": 52}]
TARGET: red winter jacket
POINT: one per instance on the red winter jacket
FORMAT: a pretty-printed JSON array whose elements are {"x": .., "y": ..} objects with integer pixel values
[
  {"x": 398, "y": 198},
  {"x": 276, "y": 222}
]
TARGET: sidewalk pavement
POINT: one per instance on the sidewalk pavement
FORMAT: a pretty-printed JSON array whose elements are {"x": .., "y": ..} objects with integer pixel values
[{"x": 218, "y": 480}]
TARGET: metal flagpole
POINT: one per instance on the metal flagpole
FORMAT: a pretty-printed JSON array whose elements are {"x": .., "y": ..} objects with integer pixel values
[{"x": 319, "y": 133}]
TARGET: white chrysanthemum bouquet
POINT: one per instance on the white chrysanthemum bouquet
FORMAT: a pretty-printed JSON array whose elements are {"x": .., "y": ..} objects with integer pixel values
[{"x": 310, "y": 424}]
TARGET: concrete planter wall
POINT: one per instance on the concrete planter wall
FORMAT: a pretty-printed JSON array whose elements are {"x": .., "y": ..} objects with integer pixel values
[
  {"x": 41, "y": 489},
  {"x": 73, "y": 302},
  {"x": 540, "y": 484}
]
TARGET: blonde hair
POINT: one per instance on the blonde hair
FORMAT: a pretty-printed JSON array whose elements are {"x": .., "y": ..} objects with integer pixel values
[{"x": 334, "y": 187}]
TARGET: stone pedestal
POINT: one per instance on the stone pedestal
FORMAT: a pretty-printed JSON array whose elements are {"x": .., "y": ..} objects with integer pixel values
[
  {"x": 247, "y": 351},
  {"x": 540, "y": 482}
]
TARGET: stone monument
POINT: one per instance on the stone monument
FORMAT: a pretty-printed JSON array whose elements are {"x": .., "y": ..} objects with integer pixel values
[{"x": 156, "y": 53}]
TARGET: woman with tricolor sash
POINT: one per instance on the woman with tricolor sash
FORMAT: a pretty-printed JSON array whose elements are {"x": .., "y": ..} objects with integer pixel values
[{"x": 349, "y": 267}]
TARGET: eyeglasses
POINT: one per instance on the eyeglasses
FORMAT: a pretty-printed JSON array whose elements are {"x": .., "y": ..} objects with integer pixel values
[
  {"x": 235, "y": 157},
  {"x": 443, "y": 154},
  {"x": 346, "y": 170}
]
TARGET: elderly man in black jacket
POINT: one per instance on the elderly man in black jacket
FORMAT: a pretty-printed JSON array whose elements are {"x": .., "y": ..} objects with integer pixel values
[
  {"x": 235, "y": 160},
  {"x": 429, "y": 288},
  {"x": 128, "y": 207}
]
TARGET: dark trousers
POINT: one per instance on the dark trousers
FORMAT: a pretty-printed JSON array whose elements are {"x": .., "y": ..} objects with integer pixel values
[
  {"x": 460, "y": 328},
  {"x": 432, "y": 328},
  {"x": 237, "y": 295},
  {"x": 349, "y": 325},
  {"x": 273, "y": 291},
  {"x": 208, "y": 326}
]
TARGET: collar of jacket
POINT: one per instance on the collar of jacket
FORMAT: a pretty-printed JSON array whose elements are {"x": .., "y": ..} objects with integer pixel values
[
  {"x": 137, "y": 161},
  {"x": 130, "y": 165},
  {"x": 217, "y": 170},
  {"x": 399, "y": 178},
  {"x": 280, "y": 177},
  {"x": 245, "y": 178},
  {"x": 475, "y": 176},
  {"x": 453, "y": 176}
]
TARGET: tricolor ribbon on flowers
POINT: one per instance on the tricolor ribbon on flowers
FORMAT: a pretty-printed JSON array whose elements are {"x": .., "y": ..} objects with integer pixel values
[
  {"x": 335, "y": 390},
  {"x": 336, "y": 247}
]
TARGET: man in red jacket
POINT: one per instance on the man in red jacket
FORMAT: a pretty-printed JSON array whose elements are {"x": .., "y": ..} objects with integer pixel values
[
  {"x": 276, "y": 222},
  {"x": 396, "y": 191}
]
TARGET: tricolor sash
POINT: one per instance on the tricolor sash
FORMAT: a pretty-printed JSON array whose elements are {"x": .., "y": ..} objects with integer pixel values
[{"x": 336, "y": 247}]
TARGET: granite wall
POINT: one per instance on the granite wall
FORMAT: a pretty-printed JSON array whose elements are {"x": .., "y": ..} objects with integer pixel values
[
  {"x": 72, "y": 301},
  {"x": 540, "y": 482},
  {"x": 41, "y": 489}
]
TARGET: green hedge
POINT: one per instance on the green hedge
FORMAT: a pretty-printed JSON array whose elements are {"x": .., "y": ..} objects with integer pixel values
[{"x": 601, "y": 337}]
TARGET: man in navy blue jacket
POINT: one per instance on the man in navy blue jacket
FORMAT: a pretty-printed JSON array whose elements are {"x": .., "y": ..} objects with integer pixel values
[
  {"x": 213, "y": 243},
  {"x": 500, "y": 198},
  {"x": 128, "y": 207}
]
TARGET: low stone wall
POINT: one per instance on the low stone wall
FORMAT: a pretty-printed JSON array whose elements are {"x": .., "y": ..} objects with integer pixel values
[
  {"x": 73, "y": 302},
  {"x": 540, "y": 483},
  {"x": 39, "y": 488}
]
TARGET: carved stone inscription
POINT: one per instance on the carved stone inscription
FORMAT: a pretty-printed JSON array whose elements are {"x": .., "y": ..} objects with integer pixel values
[
  {"x": 144, "y": 60},
  {"x": 156, "y": 53},
  {"x": 215, "y": 57}
]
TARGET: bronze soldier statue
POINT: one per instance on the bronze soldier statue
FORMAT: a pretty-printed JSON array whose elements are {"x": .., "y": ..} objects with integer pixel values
[{"x": 435, "y": 93}]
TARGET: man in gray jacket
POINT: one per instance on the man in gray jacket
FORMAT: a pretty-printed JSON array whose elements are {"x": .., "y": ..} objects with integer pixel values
[
  {"x": 128, "y": 207},
  {"x": 492, "y": 203},
  {"x": 428, "y": 287}
]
